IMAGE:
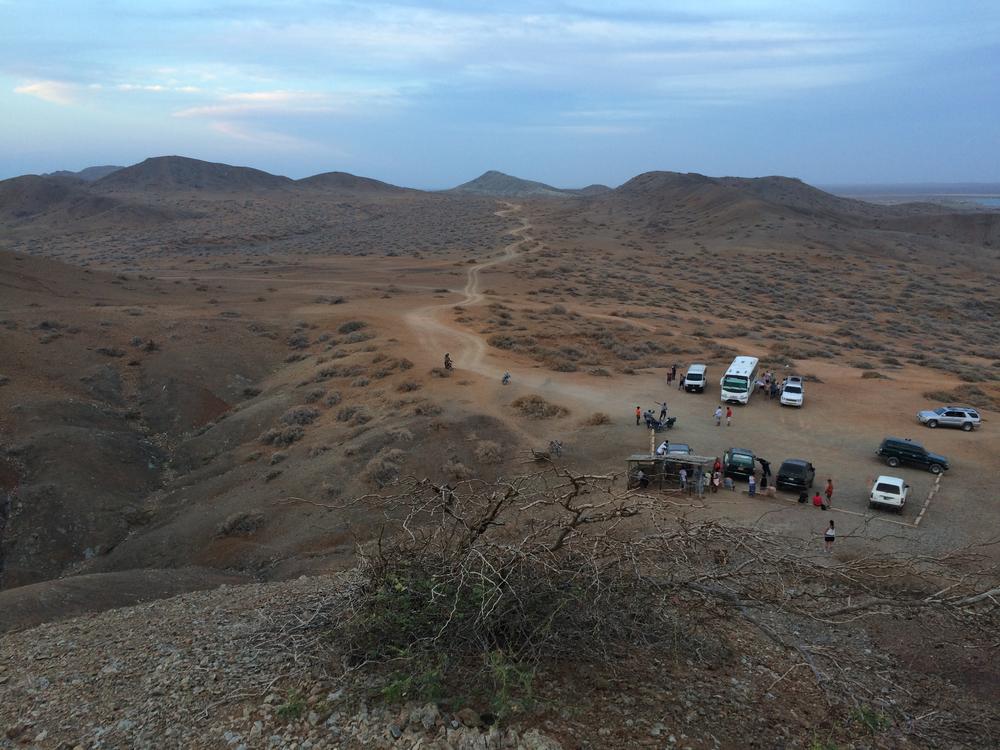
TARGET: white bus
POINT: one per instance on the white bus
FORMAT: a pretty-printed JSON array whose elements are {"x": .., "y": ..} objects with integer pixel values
[{"x": 738, "y": 382}]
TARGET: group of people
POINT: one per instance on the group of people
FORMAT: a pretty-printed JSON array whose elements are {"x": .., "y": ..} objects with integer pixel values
[
  {"x": 649, "y": 416},
  {"x": 768, "y": 385},
  {"x": 728, "y": 413}
]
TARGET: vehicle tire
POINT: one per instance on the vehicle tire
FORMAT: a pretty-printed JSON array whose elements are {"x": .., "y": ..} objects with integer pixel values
[
  {"x": 932, "y": 423},
  {"x": 967, "y": 427},
  {"x": 892, "y": 461},
  {"x": 871, "y": 505},
  {"x": 811, "y": 483},
  {"x": 935, "y": 468}
]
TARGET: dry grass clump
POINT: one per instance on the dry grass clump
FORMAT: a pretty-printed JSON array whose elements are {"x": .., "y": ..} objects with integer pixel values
[
  {"x": 384, "y": 468},
  {"x": 596, "y": 419},
  {"x": 351, "y": 326},
  {"x": 408, "y": 385},
  {"x": 489, "y": 452},
  {"x": 282, "y": 436},
  {"x": 536, "y": 407},
  {"x": 965, "y": 394},
  {"x": 240, "y": 524},
  {"x": 355, "y": 415},
  {"x": 873, "y": 375}
]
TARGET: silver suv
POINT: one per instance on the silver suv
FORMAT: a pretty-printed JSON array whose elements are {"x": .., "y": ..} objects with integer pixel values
[{"x": 951, "y": 416}]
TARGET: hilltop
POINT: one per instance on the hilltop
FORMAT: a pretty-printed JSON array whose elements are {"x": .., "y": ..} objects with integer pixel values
[
  {"x": 345, "y": 182},
  {"x": 502, "y": 185},
  {"x": 178, "y": 173}
]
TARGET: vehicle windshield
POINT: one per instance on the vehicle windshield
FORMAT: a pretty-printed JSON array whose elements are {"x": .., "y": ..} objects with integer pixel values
[
  {"x": 741, "y": 458},
  {"x": 888, "y": 489},
  {"x": 792, "y": 389},
  {"x": 793, "y": 470},
  {"x": 734, "y": 383},
  {"x": 939, "y": 411},
  {"x": 693, "y": 376}
]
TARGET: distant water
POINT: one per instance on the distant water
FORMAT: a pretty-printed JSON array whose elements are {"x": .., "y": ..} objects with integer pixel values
[
  {"x": 993, "y": 201},
  {"x": 969, "y": 195}
]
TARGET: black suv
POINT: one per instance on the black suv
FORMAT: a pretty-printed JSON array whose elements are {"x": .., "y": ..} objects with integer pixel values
[
  {"x": 738, "y": 463},
  {"x": 896, "y": 451},
  {"x": 795, "y": 474}
]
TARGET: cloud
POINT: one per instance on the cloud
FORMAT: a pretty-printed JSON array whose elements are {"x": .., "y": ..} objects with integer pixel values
[
  {"x": 283, "y": 102},
  {"x": 260, "y": 137},
  {"x": 56, "y": 92}
]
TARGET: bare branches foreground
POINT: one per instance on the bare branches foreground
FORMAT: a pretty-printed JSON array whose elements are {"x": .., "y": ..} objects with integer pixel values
[{"x": 489, "y": 583}]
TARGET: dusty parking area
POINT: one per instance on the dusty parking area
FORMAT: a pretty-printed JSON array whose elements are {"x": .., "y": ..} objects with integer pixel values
[{"x": 838, "y": 429}]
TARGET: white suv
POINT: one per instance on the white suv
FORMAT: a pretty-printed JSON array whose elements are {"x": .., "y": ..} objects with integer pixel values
[
  {"x": 889, "y": 492},
  {"x": 791, "y": 393},
  {"x": 951, "y": 416}
]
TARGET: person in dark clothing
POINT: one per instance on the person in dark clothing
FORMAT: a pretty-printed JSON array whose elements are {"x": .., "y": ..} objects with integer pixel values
[
  {"x": 673, "y": 372},
  {"x": 663, "y": 411},
  {"x": 803, "y": 497}
]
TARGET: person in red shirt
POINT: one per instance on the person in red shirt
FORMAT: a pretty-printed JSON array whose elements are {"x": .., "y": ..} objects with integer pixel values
[
  {"x": 638, "y": 414},
  {"x": 729, "y": 416},
  {"x": 818, "y": 501},
  {"x": 829, "y": 492}
]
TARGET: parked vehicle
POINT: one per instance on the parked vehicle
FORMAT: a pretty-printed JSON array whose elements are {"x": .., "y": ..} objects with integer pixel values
[
  {"x": 951, "y": 416},
  {"x": 738, "y": 382},
  {"x": 889, "y": 492},
  {"x": 791, "y": 394},
  {"x": 738, "y": 463},
  {"x": 795, "y": 474},
  {"x": 679, "y": 449},
  {"x": 695, "y": 378},
  {"x": 897, "y": 451}
]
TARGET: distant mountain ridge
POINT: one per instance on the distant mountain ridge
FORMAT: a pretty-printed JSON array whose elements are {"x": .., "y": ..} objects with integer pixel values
[{"x": 89, "y": 174}]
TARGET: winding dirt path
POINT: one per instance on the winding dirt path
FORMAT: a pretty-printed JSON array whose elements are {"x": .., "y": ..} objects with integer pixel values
[{"x": 468, "y": 350}]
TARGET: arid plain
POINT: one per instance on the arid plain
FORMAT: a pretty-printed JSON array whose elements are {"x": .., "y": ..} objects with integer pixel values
[{"x": 202, "y": 365}]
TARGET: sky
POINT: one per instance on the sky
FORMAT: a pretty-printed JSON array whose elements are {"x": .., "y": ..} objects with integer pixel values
[{"x": 431, "y": 94}]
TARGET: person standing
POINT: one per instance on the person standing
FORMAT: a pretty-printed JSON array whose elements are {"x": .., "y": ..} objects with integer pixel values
[
  {"x": 673, "y": 373},
  {"x": 829, "y": 493},
  {"x": 663, "y": 411},
  {"x": 684, "y": 478},
  {"x": 638, "y": 414},
  {"x": 718, "y": 416},
  {"x": 716, "y": 480},
  {"x": 829, "y": 537},
  {"x": 680, "y": 383},
  {"x": 729, "y": 416},
  {"x": 751, "y": 485}
]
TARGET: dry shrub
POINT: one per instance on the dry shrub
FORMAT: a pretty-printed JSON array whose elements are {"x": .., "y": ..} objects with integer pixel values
[
  {"x": 455, "y": 469},
  {"x": 384, "y": 468},
  {"x": 873, "y": 375},
  {"x": 282, "y": 436},
  {"x": 240, "y": 524},
  {"x": 408, "y": 385},
  {"x": 597, "y": 418},
  {"x": 489, "y": 452},
  {"x": 300, "y": 415},
  {"x": 440, "y": 372},
  {"x": 351, "y": 326},
  {"x": 536, "y": 407}
]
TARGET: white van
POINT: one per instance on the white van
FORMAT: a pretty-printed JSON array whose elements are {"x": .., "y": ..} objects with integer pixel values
[
  {"x": 695, "y": 378},
  {"x": 738, "y": 382}
]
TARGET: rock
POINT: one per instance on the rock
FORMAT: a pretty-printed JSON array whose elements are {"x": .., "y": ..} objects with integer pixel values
[
  {"x": 469, "y": 718},
  {"x": 535, "y": 740}
]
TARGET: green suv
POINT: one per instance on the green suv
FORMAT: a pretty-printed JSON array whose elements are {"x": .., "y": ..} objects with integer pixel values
[{"x": 897, "y": 451}]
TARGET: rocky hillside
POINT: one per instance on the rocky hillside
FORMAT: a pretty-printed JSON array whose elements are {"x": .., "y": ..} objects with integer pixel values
[{"x": 179, "y": 173}]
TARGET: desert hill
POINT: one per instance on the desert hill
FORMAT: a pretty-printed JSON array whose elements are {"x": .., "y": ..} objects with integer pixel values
[
  {"x": 502, "y": 185},
  {"x": 346, "y": 182},
  {"x": 88, "y": 174},
  {"x": 57, "y": 202},
  {"x": 180, "y": 173}
]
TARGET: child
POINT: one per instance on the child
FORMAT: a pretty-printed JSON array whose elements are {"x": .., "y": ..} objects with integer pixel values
[{"x": 829, "y": 537}]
